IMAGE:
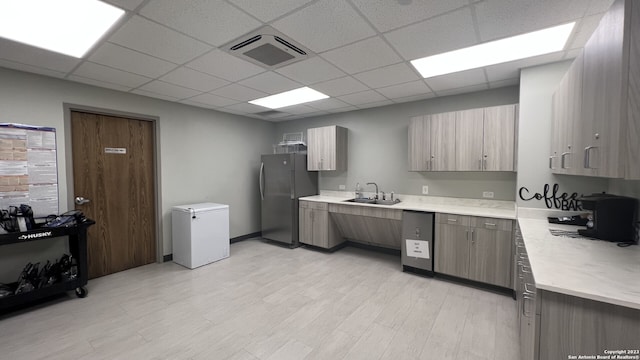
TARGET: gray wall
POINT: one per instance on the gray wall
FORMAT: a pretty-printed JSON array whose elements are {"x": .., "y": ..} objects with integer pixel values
[
  {"x": 205, "y": 155},
  {"x": 537, "y": 85},
  {"x": 378, "y": 148}
]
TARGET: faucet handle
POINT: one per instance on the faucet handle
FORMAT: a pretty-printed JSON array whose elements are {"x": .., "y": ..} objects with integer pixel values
[{"x": 383, "y": 195}]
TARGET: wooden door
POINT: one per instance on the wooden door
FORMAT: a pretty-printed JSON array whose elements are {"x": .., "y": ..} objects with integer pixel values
[
  {"x": 469, "y": 140},
  {"x": 452, "y": 250},
  {"x": 419, "y": 147},
  {"x": 499, "y": 138},
  {"x": 113, "y": 168},
  {"x": 443, "y": 141},
  {"x": 490, "y": 257}
]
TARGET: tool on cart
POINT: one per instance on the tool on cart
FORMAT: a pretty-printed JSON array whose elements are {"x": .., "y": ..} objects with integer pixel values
[{"x": 68, "y": 219}]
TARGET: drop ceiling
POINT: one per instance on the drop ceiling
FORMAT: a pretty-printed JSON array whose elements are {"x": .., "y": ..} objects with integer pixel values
[{"x": 172, "y": 50}]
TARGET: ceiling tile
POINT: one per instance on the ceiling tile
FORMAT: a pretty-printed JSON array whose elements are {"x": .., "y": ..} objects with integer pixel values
[
  {"x": 344, "y": 109},
  {"x": 116, "y": 56},
  {"x": 163, "y": 88},
  {"x": 156, "y": 40},
  {"x": 444, "y": 33},
  {"x": 267, "y": 10},
  {"x": 387, "y": 15},
  {"x": 311, "y": 71},
  {"x": 102, "y": 84},
  {"x": 403, "y": 90},
  {"x": 463, "y": 90},
  {"x": 363, "y": 97},
  {"x": 414, "y": 98},
  {"x": 298, "y": 109},
  {"x": 457, "y": 80},
  {"x": 247, "y": 108},
  {"x": 125, "y": 4},
  {"x": 212, "y": 100},
  {"x": 270, "y": 83},
  {"x": 104, "y": 73},
  {"x": 503, "y": 18},
  {"x": 193, "y": 79},
  {"x": 16, "y": 52},
  {"x": 503, "y": 83},
  {"x": 32, "y": 69},
  {"x": 598, "y": 6},
  {"x": 225, "y": 66},
  {"x": 341, "y": 86},
  {"x": 197, "y": 104},
  {"x": 363, "y": 55},
  {"x": 328, "y": 104},
  {"x": 238, "y": 92},
  {"x": 375, "y": 104},
  {"x": 389, "y": 75},
  {"x": 325, "y": 25},
  {"x": 154, "y": 95},
  {"x": 511, "y": 69},
  {"x": 214, "y": 22}
]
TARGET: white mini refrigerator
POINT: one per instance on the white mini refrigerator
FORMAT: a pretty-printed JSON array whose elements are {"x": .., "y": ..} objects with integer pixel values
[{"x": 200, "y": 234}]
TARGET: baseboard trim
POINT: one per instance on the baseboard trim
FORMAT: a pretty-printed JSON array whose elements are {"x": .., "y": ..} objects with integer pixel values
[
  {"x": 245, "y": 237},
  {"x": 167, "y": 258}
]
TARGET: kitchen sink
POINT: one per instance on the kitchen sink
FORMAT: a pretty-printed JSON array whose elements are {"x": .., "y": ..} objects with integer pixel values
[{"x": 374, "y": 201}]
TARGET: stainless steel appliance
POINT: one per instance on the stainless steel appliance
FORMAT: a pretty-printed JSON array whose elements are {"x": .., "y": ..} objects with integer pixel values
[
  {"x": 417, "y": 242},
  {"x": 283, "y": 179},
  {"x": 613, "y": 217}
]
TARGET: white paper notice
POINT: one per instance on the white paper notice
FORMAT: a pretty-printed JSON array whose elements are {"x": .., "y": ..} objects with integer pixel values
[{"x": 418, "y": 248}]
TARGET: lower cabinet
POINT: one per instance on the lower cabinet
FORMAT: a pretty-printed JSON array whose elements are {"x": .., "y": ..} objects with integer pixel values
[
  {"x": 474, "y": 248},
  {"x": 315, "y": 226}
]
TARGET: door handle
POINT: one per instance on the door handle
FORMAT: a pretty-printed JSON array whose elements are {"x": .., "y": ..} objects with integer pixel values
[
  {"x": 261, "y": 181},
  {"x": 79, "y": 200}
]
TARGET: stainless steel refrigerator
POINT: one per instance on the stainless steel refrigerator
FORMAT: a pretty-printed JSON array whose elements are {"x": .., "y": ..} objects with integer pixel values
[{"x": 283, "y": 179}]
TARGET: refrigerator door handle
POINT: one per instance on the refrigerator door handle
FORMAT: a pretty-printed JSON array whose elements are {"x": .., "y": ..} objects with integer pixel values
[
  {"x": 293, "y": 185},
  {"x": 261, "y": 181}
]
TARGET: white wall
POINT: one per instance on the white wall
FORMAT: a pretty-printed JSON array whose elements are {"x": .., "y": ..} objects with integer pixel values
[
  {"x": 205, "y": 155},
  {"x": 378, "y": 142},
  {"x": 537, "y": 85}
]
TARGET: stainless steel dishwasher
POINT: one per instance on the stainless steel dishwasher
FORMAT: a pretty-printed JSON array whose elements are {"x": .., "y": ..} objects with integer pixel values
[{"x": 417, "y": 242}]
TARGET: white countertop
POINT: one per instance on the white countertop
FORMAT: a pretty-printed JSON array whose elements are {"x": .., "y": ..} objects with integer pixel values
[
  {"x": 592, "y": 269},
  {"x": 473, "y": 207}
]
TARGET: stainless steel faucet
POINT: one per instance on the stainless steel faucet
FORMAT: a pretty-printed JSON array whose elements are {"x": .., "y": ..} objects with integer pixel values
[{"x": 376, "y": 185}]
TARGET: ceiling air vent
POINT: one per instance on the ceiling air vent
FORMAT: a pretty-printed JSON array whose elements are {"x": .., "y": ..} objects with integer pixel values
[{"x": 268, "y": 48}]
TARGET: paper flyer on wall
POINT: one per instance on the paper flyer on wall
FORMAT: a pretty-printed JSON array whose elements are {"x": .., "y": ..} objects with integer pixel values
[{"x": 28, "y": 168}]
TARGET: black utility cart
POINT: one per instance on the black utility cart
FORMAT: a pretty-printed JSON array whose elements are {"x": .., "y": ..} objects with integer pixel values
[{"x": 78, "y": 247}]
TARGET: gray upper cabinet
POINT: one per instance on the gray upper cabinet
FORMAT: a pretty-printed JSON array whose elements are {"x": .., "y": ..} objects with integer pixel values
[
  {"x": 432, "y": 144},
  {"x": 499, "y": 138},
  {"x": 327, "y": 148},
  {"x": 598, "y": 101},
  {"x": 469, "y": 132}
]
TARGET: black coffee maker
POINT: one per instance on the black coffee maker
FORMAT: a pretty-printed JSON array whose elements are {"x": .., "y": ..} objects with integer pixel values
[{"x": 613, "y": 217}]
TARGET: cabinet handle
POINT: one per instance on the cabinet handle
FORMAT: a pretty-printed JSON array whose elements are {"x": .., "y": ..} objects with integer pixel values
[
  {"x": 452, "y": 220},
  {"x": 473, "y": 241},
  {"x": 480, "y": 164},
  {"x": 490, "y": 224},
  {"x": 551, "y": 162},
  {"x": 562, "y": 162},
  {"x": 587, "y": 157},
  {"x": 484, "y": 163},
  {"x": 526, "y": 297}
]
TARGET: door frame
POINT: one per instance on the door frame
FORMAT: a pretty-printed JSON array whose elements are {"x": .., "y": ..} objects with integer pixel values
[{"x": 68, "y": 108}]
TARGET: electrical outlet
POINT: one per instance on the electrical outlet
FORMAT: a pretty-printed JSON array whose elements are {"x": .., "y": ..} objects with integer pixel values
[
  {"x": 425, "y": 190},
  {"x": 342, "y": 187},
  {"x": 487, "y": 194}
]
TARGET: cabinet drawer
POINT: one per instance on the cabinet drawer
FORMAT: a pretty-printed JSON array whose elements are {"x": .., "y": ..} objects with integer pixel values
[
  {"x": 453, "y": 219},
  {"x": 313, "y": 205},
  {"x": 492, "y": 223}
]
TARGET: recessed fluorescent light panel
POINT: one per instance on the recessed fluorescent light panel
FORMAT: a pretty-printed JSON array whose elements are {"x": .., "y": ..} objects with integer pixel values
[
  {"x": 69, "y": 27},
  {"x": 514, "y": 48},
  {"x": 288, "y": 98}
]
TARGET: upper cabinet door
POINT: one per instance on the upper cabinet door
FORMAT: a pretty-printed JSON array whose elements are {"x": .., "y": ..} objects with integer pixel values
[
  {"x": 443, "y": 141},
  {"x": 499, "y": 138},
  {"x": 571, "y": 143},
  {"x": 604, "y": 86},
  {"x": 469, "y": 133},
  {"x": 327, "y": 148},
  {"x": 419, "y": 144}
]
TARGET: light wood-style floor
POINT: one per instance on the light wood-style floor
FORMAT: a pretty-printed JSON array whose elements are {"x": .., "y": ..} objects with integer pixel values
[{"x": 268, "y": 302}]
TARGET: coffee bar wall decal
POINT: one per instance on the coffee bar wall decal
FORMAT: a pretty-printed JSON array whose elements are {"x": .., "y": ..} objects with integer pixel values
[{"x": 551, "y": 198}]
